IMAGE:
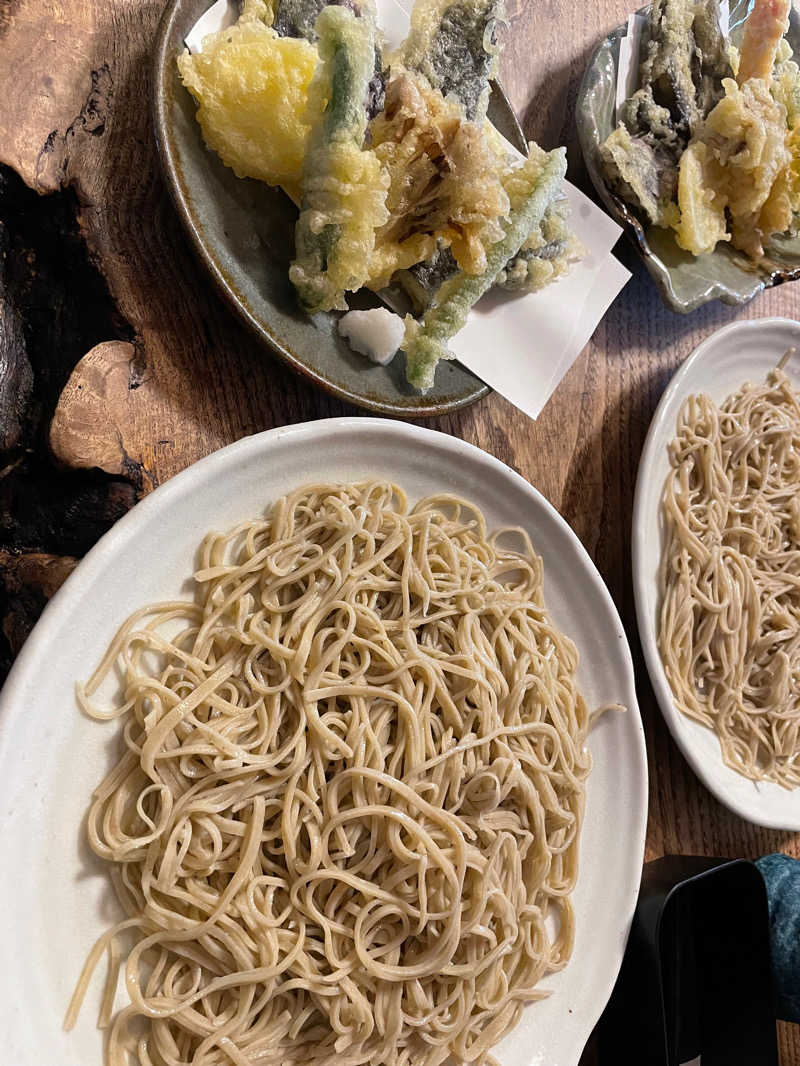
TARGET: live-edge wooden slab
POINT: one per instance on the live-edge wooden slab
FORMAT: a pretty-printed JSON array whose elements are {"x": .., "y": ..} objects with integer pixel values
[{"x": 75, "y": 81}]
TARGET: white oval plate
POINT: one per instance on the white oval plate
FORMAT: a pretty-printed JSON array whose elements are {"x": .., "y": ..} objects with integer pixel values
[
  {"x": 54, "y": 895},
  {"x": 739, "y": 352}
]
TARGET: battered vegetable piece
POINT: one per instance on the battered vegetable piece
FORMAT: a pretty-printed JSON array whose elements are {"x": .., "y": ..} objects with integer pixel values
[
  {"x": 343, "y": 187},
  {"x": 746, "y": 169},
  {"x": 445, "y": 180},
  {"x": 545, "y": 256},
  {"x": 533, "y": 187},
  {"x": 297, "y": 18},
  {"x": 786, "y": 83},
  {"x": 251, "y": 87},
  {"x": 701, "y": 223},
  {"x": 666, "y": 71},
  {"x": 422, "y": 281},
  {"x": 713, "y": 54},
  {"x": 452, "y": 43},
  {"x": 786, "y": 90},
  {"x": 257, "y": 11},
  {"x": 738, "y": 168},
  {"x": 686, "y": 58},
  {"x": 643, "y": 171},
  {"x": 748, "y": 131}
]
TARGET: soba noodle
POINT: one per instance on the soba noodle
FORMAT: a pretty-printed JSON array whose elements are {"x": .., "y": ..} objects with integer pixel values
[
  {"x": 345, "y": 824},
  {"x": 730, "y": 575}
]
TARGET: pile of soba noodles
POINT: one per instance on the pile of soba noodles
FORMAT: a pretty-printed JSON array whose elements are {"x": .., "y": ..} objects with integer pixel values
[
  {"x": 345, "y": 824},
  {"x": 730, "y": 575}
]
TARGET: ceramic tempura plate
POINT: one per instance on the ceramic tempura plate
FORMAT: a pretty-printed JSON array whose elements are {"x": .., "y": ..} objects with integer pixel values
[{"x": 243, "y": 232}]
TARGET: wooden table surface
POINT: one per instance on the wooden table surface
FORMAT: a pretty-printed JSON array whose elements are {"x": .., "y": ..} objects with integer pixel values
[{"x": 94, "y": 254}]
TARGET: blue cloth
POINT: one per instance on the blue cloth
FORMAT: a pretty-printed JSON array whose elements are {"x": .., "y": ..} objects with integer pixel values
[{"x": 782, "y": 877}]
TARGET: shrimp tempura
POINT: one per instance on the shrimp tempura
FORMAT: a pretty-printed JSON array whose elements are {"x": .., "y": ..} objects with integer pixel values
[{"x": 765, "y": 26}]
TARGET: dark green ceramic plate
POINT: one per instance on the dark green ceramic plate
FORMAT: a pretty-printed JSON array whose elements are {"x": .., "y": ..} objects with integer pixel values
[
  {"x": 244, "y": 233},
  {"x": 684, "y": 281}
]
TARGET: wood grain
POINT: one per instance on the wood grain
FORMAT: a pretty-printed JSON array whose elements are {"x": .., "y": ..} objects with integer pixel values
[
  {"x": 98, "y": 416},
  {"x": 28, "y": 582},
  {"x": 75, "y": 76}
]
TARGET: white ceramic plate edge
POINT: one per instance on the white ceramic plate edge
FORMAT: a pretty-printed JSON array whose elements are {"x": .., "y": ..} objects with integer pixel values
[
  {"x": 676, "y": 722},
  {"x": 125, "y": 529}
]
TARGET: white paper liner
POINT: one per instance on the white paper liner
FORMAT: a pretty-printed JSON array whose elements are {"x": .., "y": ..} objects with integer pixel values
[{"x": 521, "y": 346}]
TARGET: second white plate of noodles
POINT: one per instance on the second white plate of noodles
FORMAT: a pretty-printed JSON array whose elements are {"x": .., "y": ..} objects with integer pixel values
[
  {"x": 738, "y": 353},
  {"x": 55, "y": 894}
]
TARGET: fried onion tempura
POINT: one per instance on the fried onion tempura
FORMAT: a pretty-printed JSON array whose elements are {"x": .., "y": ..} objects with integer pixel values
[
  {"x": 531, "y": 190},
  {"x": 445, "y": 179}
]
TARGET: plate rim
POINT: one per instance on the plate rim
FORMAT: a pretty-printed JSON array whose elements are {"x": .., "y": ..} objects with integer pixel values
[
  {"x": 160, "y": 73},
  {"x": 116, "y": 539},
  {"x": 658, "y": 680}
]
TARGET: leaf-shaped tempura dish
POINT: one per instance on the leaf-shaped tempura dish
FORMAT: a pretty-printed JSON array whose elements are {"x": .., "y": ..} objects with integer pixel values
[{"x": 685, "y": 281}]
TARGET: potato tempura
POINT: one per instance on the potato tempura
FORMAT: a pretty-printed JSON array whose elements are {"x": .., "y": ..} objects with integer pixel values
[{"x": 251, "y": 87}]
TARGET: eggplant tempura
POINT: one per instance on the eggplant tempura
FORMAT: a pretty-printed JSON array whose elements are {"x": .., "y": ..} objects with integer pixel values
[
  {"x": 399, "y": 177},
  {"x": 708, "y": 145}
]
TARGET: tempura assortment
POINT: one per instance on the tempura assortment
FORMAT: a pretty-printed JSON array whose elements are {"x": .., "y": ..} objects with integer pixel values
[
  {"x": 399, "y": 177},
  {"x": 709, "y": 144}
]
